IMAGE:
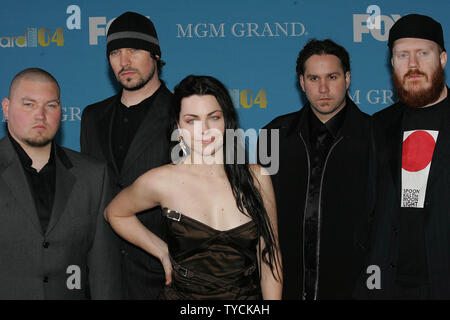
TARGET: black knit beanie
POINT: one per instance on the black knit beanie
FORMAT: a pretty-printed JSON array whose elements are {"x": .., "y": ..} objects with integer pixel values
[
  {"x": 132, "y": 30},
  {"x": 416, "y": 26}
]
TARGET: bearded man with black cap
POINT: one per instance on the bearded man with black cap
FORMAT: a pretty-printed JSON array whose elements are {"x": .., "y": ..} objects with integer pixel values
[
  {"x": 412, "y": 218},
  {"x": 130, "y": 132}
]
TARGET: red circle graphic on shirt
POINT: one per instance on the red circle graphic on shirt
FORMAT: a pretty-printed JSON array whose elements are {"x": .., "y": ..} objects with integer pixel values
[{"x": 417, "y": 151}]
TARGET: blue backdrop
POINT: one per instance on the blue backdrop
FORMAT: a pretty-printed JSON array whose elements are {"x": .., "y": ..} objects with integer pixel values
[{"x": 250, "y": 45}]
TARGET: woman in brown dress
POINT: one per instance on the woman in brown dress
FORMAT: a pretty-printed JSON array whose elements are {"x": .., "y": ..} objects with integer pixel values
[{"x": 222, "y": 240}]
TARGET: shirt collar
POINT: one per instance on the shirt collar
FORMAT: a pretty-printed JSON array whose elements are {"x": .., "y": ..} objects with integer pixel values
[
  {"x": 333, "y": 125},
  {"x": 143, "y": 104},
  {"x": 440, "y": 105},
  {"x": 25, "y": 160}
]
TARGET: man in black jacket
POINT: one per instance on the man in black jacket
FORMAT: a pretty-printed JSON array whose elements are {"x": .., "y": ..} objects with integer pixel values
[
  {"x": 323, "y": 185},
  {"x": 412, "y": 218},
  {"x": 130, "y": 132}
]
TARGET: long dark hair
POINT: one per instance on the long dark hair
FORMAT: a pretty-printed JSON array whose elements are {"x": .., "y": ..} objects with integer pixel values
[{"x": 248, "y": 199}]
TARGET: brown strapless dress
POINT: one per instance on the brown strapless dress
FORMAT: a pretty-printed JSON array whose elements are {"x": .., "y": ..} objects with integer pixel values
[{"x": 211, "y": 264}]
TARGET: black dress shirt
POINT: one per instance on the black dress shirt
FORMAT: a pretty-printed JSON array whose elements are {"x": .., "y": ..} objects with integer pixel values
[
  {"x": 125, "y": 125},
  {"x": 42, "y": 183},
  {"x": 321, "y": 138}
]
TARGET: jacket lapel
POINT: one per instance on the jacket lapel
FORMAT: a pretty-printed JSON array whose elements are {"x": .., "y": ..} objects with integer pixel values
[
  {"x": 14, "y": 176},
  {"x": 440, "y": 160},
  {"x": 394, "y": 147},
  {"x": 105, "y": 127},
  {"x": 351, "y": 124},
  {"x": 299, "y": 125},
  {"x": 64, "y": 183},
  {"x": 149, "y": 130},
  {"x": 108, "y": 139}
]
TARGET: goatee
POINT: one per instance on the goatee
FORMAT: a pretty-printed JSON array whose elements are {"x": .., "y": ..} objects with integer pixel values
[
  {"x": 138, "y": 85},
  {"x": 416, "y": 96},
  {"x": 38, "y": 142}
]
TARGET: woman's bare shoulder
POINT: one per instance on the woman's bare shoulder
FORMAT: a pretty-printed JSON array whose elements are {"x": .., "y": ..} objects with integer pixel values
[{"x": 157, "y": 178}]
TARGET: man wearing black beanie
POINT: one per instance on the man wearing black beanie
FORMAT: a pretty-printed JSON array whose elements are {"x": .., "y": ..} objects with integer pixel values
[
  {"x": 130, "y": 132},
  {"x": 411, "y": 243}
]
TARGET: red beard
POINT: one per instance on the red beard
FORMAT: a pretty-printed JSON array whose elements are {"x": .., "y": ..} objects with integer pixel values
[{"x": 419, "y": 97}]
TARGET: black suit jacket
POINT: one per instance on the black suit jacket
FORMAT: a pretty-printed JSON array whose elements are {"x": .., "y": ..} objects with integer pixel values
[
  {"x": 388, "y": 137},
  {"x": 143, "y": 273},
  {"x": 37, "y": 265},
  {"x": 346, "y": 206}
]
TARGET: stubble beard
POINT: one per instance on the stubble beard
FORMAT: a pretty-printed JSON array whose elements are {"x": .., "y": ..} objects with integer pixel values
[
  {"x": 140, "y": 83},
  {"x": 320, "y": 110},
  {"x": 38, "y": 142}
]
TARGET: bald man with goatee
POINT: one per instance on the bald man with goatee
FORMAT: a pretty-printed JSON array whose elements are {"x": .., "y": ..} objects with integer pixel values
[{"x": 54, "y": 241}]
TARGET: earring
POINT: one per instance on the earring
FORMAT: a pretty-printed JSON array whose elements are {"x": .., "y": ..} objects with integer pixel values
[{"x": 183, "y": 146}]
